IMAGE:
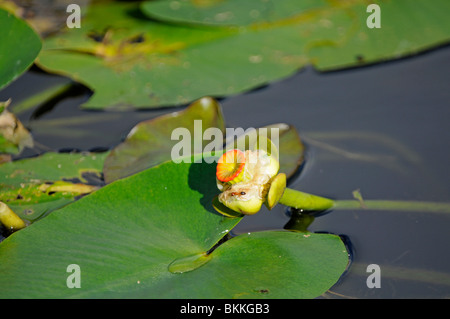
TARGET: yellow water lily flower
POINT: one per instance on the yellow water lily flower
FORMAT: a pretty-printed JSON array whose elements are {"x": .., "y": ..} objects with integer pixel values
[
  {"x": 230, "y": 167},
  {"x": 245, "y": 185}
]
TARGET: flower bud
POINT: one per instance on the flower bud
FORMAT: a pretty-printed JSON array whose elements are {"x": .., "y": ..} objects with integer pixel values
[
  {"x": 245, "y": 185},
  {"x": 9, "y": 219}
]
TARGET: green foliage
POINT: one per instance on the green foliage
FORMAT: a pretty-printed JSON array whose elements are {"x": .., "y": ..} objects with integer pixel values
[
  {"x": 24, "y": 184},
  {"x": 153, "y": 231},
  {"x": 219, "y": 48},
  {"x": 229, "y": 13},
  {"x": 147, "y": 236},
  {"x": 19, "y": 46},
  {"x": 150, "y": 142}
]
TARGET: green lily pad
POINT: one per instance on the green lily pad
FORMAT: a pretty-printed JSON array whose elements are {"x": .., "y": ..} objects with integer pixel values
[
  {"x": 131, "y": 63},
  {"x": 148, "y": 236},
  {"x": 407, "y": 28},
  {"x": 144, "y": 63},
  {"x": 34, "y": 187},
  {"x": 150, "y": 142},
  {"x": 230, "y": 12},
  {"x": 19, "y": 46}
]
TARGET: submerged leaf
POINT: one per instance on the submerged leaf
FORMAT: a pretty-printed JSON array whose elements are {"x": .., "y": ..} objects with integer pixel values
[{"x": 35, "y": 187}]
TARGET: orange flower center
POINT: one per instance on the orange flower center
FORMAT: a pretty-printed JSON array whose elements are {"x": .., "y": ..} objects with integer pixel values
[{"x": 230, "y": 165}]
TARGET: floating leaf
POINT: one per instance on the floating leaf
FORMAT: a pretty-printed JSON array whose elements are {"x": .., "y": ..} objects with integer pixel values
[
  {"x": 143, "y": 63},
  {"x": 133, "y": 62},
  {"x": 34, "y": 187},
  {"x": 148, "y": 236},
  {"x": 19, "y": 46},
  {"x": 229, "y": 12},
  {"x": 407, "y": 28}
]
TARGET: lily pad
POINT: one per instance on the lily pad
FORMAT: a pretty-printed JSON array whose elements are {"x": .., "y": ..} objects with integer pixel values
[
  {"x": 125, "y": 236},
  {"x": 407, "y": 28},
  {"x": 131, "y": 63},
  {"x": 19, "y": 46},
  {"x": 34, "y": 187},
  {"x": 143, "y": 63},
  {"x": 228, "y": 12}
]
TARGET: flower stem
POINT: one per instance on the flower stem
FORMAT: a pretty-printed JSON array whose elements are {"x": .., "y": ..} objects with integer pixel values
[
  {"x": 305, "y": 201},
  {"x": 392, "y": 205},
  {"x": 309, "y": 202}
]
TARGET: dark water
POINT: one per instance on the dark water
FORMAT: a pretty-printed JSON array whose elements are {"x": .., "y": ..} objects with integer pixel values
[{"x": 382, "y": 129}]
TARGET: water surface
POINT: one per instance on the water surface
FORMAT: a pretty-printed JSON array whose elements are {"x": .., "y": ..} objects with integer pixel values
[{"x": 382, "y": 129}]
